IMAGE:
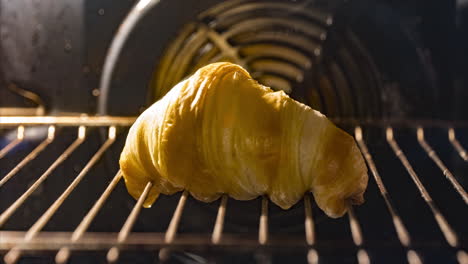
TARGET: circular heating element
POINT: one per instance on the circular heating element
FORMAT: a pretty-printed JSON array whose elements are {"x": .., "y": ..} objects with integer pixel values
[
  {"x": 279, "y": 43},
  {"x": 344, "y": 60}
]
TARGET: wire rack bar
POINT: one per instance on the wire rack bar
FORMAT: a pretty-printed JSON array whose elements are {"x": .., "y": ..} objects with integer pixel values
[
  {"x": 64, "y": 253},
  {"x": 123, "y": 234},
  {"x": 172, "y": 229},
  {"x": 462, "y": 257},
  {"x": 173, "y": 225},
  {"x": 31, "y": 156},
  {"x": 448, "y": 232},
  {"x": 83, "y": 226},
  {"x": 309, "y": 221},
  {"x": 400, "y": 228},
  {"x": 85, "y": 120},
  {"x": 7, "y": 213},
  {"x": 91, "y": 241},
  {"x": 312, "y": 254},
  {"x": 356, "y": 233},
  {"x": 113, "y": 253},
  {"x": 15, "y": 253},
  {"x": 355, "y": 227},
  {"x": 263, "y": 225},
  {"x": 80, "y": 239},
  {"x": 413, "y": 257},
  {"x": 433, "y": 155},
  {"x": 218, "y": 227},
  {"x": 402, "y": 232},
  {"x": 363, "y": 257},
  {"x": 456, "y": 144},
  {"x": 19, "y": 138},
  {"x": 82, "y": 120}
]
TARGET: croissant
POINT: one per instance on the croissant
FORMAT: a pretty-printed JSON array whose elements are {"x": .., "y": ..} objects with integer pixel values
[{"x": 221, "y": 132}]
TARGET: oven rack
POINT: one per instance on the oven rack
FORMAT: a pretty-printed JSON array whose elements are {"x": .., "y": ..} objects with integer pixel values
[{"x": 15, "y": 243}]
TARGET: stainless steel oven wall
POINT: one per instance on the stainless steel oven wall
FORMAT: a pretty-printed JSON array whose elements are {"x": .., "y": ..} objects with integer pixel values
[
  {"x": 57, "y": 48},
  {"x": 42, "y": 48}
]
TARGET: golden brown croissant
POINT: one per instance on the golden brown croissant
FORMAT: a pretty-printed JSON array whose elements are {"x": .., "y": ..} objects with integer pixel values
[{"x": 221, "y": 132}]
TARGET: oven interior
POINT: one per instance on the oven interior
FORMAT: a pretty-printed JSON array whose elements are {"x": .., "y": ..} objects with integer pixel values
[{"x": 391, "y": 73}]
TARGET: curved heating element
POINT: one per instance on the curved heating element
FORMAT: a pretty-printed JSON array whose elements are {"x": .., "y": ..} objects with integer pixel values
[
  {"x": 279, "y": 43},
  {"x": 282, "y": 47},
  {"x": 279, "y": 63},
  {"x": 319, "y": 54}
]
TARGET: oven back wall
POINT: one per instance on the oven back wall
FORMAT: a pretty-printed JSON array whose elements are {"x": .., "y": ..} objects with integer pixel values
[
  {"x": 57, "y": 48},
  {"x": 44, "y": 49}
]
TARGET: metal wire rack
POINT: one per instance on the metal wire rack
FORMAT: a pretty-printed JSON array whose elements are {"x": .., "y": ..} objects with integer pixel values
[{"x": 16, "y": 243}]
